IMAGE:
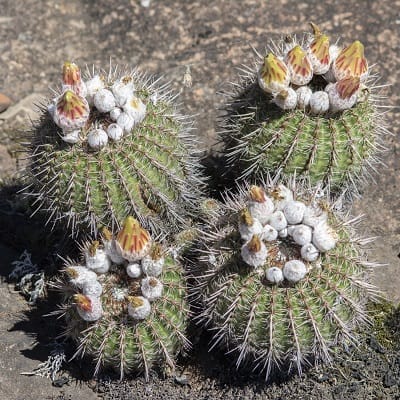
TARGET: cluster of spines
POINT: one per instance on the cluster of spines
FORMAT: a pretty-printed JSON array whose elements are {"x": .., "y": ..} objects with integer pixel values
[
  {"x": 153, "y": 174},
  {"x": 271, "y": 326},
  {"x": 116, "y": 336}
]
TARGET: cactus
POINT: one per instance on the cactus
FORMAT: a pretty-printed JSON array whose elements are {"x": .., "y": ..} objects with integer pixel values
[
  {"x": 310, "y": 109},
  {"x": 284, "y": 292},
  {"x": 110, "y": 146},
  {"x": 129, "y": 322}
]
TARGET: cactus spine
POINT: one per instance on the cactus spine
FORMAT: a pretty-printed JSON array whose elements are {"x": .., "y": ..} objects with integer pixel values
[
  {"x": 123, "y": 149},
  {"x": 329, "y": 128},
  {"x": 280, "y": 301},
  {"x": 130, "y": 324}
]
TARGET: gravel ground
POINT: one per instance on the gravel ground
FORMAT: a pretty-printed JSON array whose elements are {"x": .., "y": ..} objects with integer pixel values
[{"x": 212, "y": 37}]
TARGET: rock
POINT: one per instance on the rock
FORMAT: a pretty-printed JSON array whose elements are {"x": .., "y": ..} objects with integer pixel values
[{"x": 5, "y": 102}]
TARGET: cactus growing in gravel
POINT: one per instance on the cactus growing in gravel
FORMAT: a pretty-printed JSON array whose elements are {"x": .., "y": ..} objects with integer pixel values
[
  {"x": 280, "y": 278},
  {"x": 311, "y": 108},
  {"x": 113, "y": 145},
  {"x": 125, "y": 302}
]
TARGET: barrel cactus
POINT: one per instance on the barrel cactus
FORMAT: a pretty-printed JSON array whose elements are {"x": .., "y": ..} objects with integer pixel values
[
  {"x": 124, "y": 302},
  {"x": 280, "y": 278},
  {"x": 114, "y": 145},
  {"x": 310, "y": 108}
]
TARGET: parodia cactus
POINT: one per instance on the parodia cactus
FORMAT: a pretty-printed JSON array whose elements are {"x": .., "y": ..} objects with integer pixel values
[
  {"x": 125, "y": 303},
  {"x": 280, "y": 278},
  {"x": 111, "y": 146},
  {"x": 309, "y": 108}
]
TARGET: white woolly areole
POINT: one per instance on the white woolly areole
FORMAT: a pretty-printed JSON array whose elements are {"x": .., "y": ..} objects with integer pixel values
[
  {"x": 99, "y": 263},
  {"x": 140, "y": 312},
  {"x": 286, "y": 100},
  {"x": 285, "y": 195},
  {"x": 95, "y": 313},
  {"x": 309, "y": 252},
  {"x": 104, "y": 100},
  {"x": 302, "y": 234},
  {"x": 71, "y": 137},
  {"x": 336, "y": 103},
  {"x": 254, "y": 259},
  {"x": 323, "y": 237},
  {"x": 313, "y": 215},
  {"x": 151, "y": 291},
  {"x": 134, "y": 270},
  {"x": 136, "y": 109},
  {"x": 152, "y": 267},
  {"x": 303, "y": 97},
  {"x": 278, "y": 220},
  {"x": 83, "y": 275},
  {"x": 92, "y": 288},
  {"x": 123, "y": 89},
  {"x": 115, "y": 113},
  {"x": 274, "y": 275},
  {"x": 97, "y": 138},
  {"x": 261, "y": 211},
  {"x": 319, "y": 102},
  {"x": 247, "y": 231},
  {"x": 126, "y": 122},
  {"x": 115, "y": 132},
  {"x": 294, "y": 271},
  {"x": 92, "y": 87},
  {"x": 109, "y": 247},
  {"x": 269, "y": 233},
  {"x": 294, "y": 211}
]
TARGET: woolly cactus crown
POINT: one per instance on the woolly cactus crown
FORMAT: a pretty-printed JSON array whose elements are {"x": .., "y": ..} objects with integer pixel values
[
  {"x": 311, "y": 108},
  {"x": 113, "y": 145},
  {"x": 280, "y": 278},
  {"x": 124, "y": 303}
]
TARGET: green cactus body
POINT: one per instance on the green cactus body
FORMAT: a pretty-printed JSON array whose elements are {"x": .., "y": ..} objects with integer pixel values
[
  {"x": 118, "y": 340},
  {"x": 338, "y": 148},
  {"x": 152, "y": 173},
  {"x": 272, "y": 326}
]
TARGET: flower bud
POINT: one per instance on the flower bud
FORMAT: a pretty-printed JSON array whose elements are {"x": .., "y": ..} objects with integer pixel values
[
  {"x": 93, "y": 86},
  {"x": 274, "y": 275},
  {"x": 125, "y": 122},
  {"x": 133, "y": 242},
  {"x": 88, "y": 307},
  {"x": 79, "y": 275},
  {"x": 260, "y": 205},
  {"x": 299, "y": 66},
  {"x": 136, "y": 109},
  {"x": 302, "y": 234},
  {"x": 294, "y": 271},
  {"x": 303, "y": 97},
  {"x": 92, "y": 288},
  {"x": 274, "y": 75},
  {"x": 71, "y": 111},
  {"x": 319, "y": 102},
  {"x": 72, "y": 79},
  {"x": 343, "y": 94},
  {"x": 248, "y": 226},
  {"x": 115, "y": 132},
  {"x": 138, "y": 307},
  {"x": 97, "y": 139},
  {"x": 351, "y": 63},
  {"x": 104, "y": 100},
  {"x": 323, "y": 237},
  {"x": 151, "y": 288},
  {"x": 278, "y": 220},
  {"x": 269, "y": 233},
  {"x": 294, "y": 212},
  {"x": 254, "y": 252},
  {"x": 134, "y": 270},
  {"x": 286, "y": 99},
  {"x": 97, "y": 259},
  {"x": 309, "y": 252},
  {"x": 123, "y": 89},
  {"x": 318, "y": 52}
]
